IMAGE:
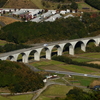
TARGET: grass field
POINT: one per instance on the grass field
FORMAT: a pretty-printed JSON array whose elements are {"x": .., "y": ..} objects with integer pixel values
[
  {"x": 81, "y": 60},
  {"x": 56, "y": 65},
  {"x": 82, "y": 80},
  {"x": 54, "y": 91},
  {"x": 90, "y": 55},
  {"x": 19, "y": 97},
  {"x": 3, "y": 98},
  {"x": 76, "y": 80},
  {"x": 84, "y": 5}
]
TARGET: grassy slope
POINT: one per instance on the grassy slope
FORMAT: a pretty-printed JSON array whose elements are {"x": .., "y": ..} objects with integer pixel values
[
  {"x": 20, "y": 4},
  {"x": 37, "y": 3}
]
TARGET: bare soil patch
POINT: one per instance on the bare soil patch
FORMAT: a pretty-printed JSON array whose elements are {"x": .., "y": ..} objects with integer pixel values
[
  {"x": 95, "y": 62},
  {"x": 7, "y": 20},
  {"x": 94, "y": 83}
]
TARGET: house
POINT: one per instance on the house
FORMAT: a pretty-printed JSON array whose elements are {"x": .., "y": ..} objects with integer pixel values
[
  {"x": 69, "y": 15},
  {"x": 63, "y": 12},
  {"x": 52, "y": 11},
  {"x": 6, "y": 10},
  {"x": 53, "y": 18},
  {"x": 35, "y": 12},
  {"x": 96, "y": 88},
  {"x": 1, "y": 10},
  {"x": 73, "y": 11},
  {"x": 68, "y": 11},
  {"x": 37, "y": 19},
  {"x": 47, "y": 14},
  {"x": 51, "y": 76},
  {"x": 18, "y": 12}
]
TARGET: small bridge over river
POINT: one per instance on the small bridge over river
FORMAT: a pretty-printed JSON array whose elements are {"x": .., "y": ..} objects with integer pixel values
[{"x": 60, "y": 45}]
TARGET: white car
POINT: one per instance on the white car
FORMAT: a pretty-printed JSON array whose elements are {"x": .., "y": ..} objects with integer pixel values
[
  {"x": 85, "y": 74},
  {"x": 45, "y": 45}
]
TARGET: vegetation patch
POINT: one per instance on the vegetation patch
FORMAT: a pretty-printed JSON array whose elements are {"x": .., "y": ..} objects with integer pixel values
[
  {"x": 3, "y": 98},
  {"x": 83, "y": 5},
  {"x": 2, "y": 43},
  {"x": 61, "y": 66},
  {"x": 55, "y": 91},
  {"x": 81, "y": 59},
  {"x": 84, "y": 81}
]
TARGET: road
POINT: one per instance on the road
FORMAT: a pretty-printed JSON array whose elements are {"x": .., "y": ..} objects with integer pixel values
[
  {"x": 64, "y": 72},
  {"x": 73, "y": 73},
  {"x": 32, "y": 68}
]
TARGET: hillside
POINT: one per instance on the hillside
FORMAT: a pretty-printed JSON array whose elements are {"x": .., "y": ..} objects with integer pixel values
[
  {"x": 19, "y": 78},
  {"x": 19, "y": 4},
  {"x": 41, "y": 4},
  {"x": 41, "y": 32}
]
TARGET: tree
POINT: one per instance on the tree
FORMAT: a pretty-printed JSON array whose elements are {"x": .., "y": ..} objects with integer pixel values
[{"x": 74, "y": 5}]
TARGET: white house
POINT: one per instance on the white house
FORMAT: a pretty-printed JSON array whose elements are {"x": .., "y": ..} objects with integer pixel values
[
  {"x": 53, "y": 18},
  {"x": 1, "y": 10},
  {"x": 37, "y": 19},
  {"x": 19, "y": 12},
  {"x": 68, "y": 10},
  {"x": 6, "y": 10},
  {"x": 70, "y": 15},
  {"x": 52, "y": 11},
  {"x": 73, "y": 11},
  {"x": 47, "y": 14},
  {"x": 34, "y": 12},
  {"x": 63, "y": 12}
]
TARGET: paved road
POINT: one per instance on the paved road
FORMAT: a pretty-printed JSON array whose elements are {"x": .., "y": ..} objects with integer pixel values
[
  {"x": 32, "y": 68},
  {"x": 73, "y": 73},
  {"x": 64, "y": 72}
]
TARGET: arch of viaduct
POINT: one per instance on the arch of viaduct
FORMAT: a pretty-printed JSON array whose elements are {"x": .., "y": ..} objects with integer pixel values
[{"x": 48, "y": 49}]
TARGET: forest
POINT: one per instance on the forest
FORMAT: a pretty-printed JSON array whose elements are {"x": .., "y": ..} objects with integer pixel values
[
  {"x": 61, "y": 29},
  {"x": 94, "y": 3},
  {"x": 19, "y": 78},
  {"x": 11, "y": 47}
]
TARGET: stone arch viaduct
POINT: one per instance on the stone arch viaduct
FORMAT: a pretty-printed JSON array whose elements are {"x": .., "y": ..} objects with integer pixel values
[{"x": 13, "y": 56}]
